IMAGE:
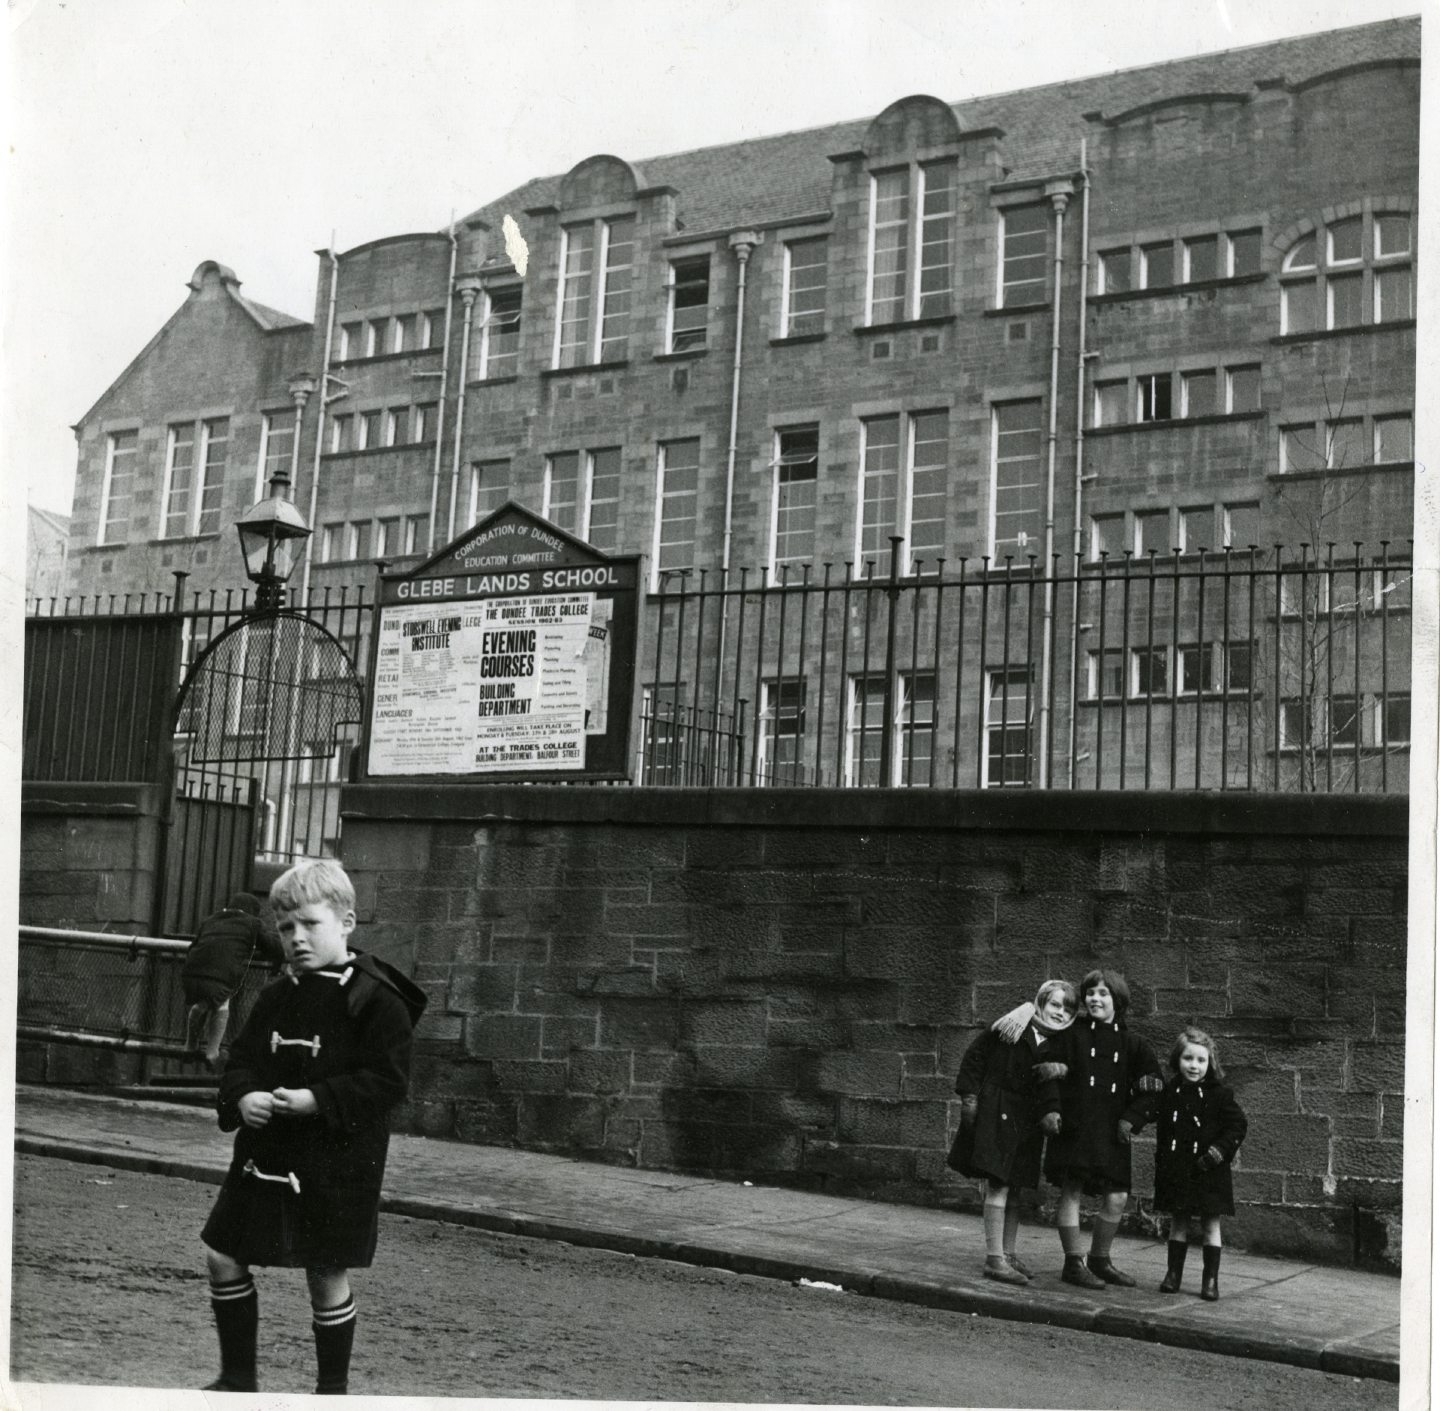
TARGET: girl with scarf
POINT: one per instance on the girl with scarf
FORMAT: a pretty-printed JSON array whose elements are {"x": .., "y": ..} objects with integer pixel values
[{"x": 1001, "y": 1082}]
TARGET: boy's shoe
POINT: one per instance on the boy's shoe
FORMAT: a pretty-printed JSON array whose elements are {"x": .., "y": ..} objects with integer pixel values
[
  {"x": 224, "y": 1383},
  {"x": 1175, "y": 1270},
  {"x": 1210, "y": 1279},
  {"x": 1076, "y": 1273},
  {"x": 999, "y": 1268},
  {"x": 1100, "y": 1264},
  {"x": 1017, "y": 1263}
]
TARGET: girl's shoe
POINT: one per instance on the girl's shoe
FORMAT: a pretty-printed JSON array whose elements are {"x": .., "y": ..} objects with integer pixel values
[
  {"x": 1210, "y": 1279},
  {"x": 999, "y": 1268},
  {"x": 1016, "y": 1262},
  {"x": 1101, "y": 1265},
  {"x": 1076, "y": 1273},
  {"x": 231, "y": 1383}
]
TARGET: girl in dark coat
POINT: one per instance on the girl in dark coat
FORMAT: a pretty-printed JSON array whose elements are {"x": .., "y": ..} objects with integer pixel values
[
  {"x": 1198, "y": 1130},
  {"x": 1113, "y": 1075},
  {"x": 1000, "y": 1136}
]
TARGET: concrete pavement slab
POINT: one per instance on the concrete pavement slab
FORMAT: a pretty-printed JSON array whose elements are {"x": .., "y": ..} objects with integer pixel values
[{"x": 1337, "y": 1320}]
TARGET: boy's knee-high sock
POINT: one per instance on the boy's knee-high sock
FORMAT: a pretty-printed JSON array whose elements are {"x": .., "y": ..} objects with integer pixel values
[
  {"x": 334, "y": 1330},
  {"x": 1071, "y": 1240},
  {"x": 236, "y": 1306},
  {"x": 1012, "y": 1223},
  {"x": 994, "y": 1229},
  {"x": 1103, "y": 1236}
]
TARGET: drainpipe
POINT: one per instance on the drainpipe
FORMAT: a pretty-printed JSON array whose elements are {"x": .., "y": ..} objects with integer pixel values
[
  {"x": 1082, "y": 355},
  {"x": 325, "y": 380},
  {"x": 469, "y": 290},
  {"x": 440, "y": 405},
  {"x": 743, "y": 243},
  {"x": 1059, "y": 193}
]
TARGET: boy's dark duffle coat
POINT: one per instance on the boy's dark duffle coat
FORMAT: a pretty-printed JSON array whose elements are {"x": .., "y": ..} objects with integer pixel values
[
  {"x": 305, "y": 1191},
  {"x": 1190, "y": 1119},
  {"x": 1106, "y": 1062},
  {"x": 1004, "y": 1143},
  {"x": 214, "y": 966}
]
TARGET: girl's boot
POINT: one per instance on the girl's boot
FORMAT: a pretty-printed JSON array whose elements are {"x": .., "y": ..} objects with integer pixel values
[
  {"x": 1210, "y": 1277},
  {"x": 236, "y": 1306},
  {"x": 1175, "y": 1256}
]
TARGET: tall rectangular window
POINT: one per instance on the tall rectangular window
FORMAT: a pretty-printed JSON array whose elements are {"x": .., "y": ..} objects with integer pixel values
[
  {"x": 179, "y": 482},
  {"x": 889, "y": 244},
  {"x": 1197, "y": 393},
  {"x": 1152, "y": 397},
  {"x": 352, "y": 341},
  {"x": 489, "y": 487},
  {"x": 359, "y": 540},
  {"x": 1017, "y": 524},
  {"x": 1110, "y": 400},
  {"x": 1152, "y": 532},
  {"x": 370, "y": 427},
  {"x": 1242, "y": 525},
  {"x": 1157, "y": 265},
  {"x": 689, "y": 303},
  {"x": 596, "y": 280},
  {"x": 1242, "y": 253},
  {"x": 1343, "y": 300},
  {"x": 397, "y": 426},
  {"x": 1114, "y": 271},
  {"x": 1345, "y": 443},
  {"x": 1107, "y": 535},
  {"x": 1299, "y": 307},
  {"x": 1202, "y": 258},
  {"x": 417, "y": 533},
  {"x": 1392, "y": 236},
  {"x": 1394, "y": 438},
  {"x": 1394, "y": 295},
  {"x": 500, "y": 333},
  {"x": 937, "y": 220},
  {"x": 402, "y": 332},
  {"x": 117, "y": 486},
  {"x": 675, "y": 524},
  {"x": 780, "y": 747},
  {"x": 1009, "y": 703},
  {"x": 879, "y": 487},
  {"x": 332, "y": 543},
  {"x": 426, "y": 421},
  {"x": 1149, "y": 671},
  {"x": 432, "y": 328},
  {"x": 1242, "y": 389},
  {"x": 797, "y": 465},
  {"x": 563, "y": 498},
  {"x": 603, "y": 527},
  {"x": 916, "y": 722},
  {"x": 1104, "y": 675},
  {"x": 1299, "y": 449},
  {"x": 804, "y": 299},
  {"x": 1022, "y": 262},
  {"x": 216, "y": 439},
  {"x": 865, "y": 725},
  {"x": 277, "y": 448},
  {"x": 929, "y": 474},
  {"x": 387, "y": 538},
  {"x": 1197, "y": 528}
]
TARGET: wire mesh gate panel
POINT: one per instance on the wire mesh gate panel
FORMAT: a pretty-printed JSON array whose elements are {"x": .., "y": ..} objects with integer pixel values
[{"x": 265, "y": 724}]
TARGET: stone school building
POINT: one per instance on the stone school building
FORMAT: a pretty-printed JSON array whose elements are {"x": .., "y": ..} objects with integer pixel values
[{"x": 1057, "y": 439}]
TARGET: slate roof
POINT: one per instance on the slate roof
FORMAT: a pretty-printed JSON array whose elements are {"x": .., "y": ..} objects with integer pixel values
[{"x": 776, "y": 178}]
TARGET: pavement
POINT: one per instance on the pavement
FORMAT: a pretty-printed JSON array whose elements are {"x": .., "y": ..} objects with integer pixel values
[{"x": 1280, "y": 1310}]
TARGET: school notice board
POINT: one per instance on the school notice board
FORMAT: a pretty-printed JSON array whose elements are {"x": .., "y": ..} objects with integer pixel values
[{"x": 509, "y": 655}]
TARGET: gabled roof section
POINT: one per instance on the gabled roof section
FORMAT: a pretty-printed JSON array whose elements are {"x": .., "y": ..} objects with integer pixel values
[
  {"x": 208, "y": 275},
  {"x": 768, "y": 180}
]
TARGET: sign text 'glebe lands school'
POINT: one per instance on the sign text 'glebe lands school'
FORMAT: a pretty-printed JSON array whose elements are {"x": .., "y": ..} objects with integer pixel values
[{"x": 509, "y": 653}]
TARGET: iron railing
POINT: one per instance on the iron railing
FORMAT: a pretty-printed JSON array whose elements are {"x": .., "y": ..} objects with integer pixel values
[
  {"x": 121, "y": 992},
  {"x": 1236, "y": 670}
]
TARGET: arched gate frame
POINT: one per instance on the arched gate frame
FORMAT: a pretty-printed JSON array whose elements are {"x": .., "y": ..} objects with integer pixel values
[{"x": 265, "y": 723}]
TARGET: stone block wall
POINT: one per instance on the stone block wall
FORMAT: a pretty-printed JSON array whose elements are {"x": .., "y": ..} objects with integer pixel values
[{"x": 780, "y": 985}]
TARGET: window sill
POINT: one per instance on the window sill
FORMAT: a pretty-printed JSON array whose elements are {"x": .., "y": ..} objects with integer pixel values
[
  {"x": 494, "y": 381},
  {"x": 103, "y": 548},
  {"x": 790, "y": 338},
  {"x": 164, "y": 539},
  {"x": 379, "y": 450},
  {"x": 1305, "y": 475},
  {"x": 683, "y": 356},
  {"x": 385, "y": 357},
  {"x": 1316, "y": 335},
  {"x": 1169, "y": 422},
  {"x": 1194, "y": 287},
  {"x": 1018, "y": 310},
  {"x": 934, "y": 321},
  {"x": 1185, "y": 698},
  {"x": 619, "y": 365}
]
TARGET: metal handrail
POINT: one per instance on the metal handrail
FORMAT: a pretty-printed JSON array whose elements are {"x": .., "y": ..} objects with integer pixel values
[{"x": 105, "y": 940}]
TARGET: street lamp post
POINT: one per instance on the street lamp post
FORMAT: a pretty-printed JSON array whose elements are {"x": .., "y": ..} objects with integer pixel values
[{"x": 272, "y": 531}]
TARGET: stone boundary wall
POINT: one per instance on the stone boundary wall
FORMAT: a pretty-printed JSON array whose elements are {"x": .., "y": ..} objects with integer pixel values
[{"x": 780, "y": 984}]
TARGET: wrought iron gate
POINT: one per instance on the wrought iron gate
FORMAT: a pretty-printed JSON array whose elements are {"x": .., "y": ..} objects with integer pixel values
[{"x": 265, "y": 724}]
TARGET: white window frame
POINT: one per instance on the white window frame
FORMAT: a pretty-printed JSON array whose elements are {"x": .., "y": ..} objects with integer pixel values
[
  {"x": 778, "y": 462},
  {"x": 397, "y": 426},
  {"x": 788, "y": 314},
  {"x": 1132, "y": 672},
  {"x": 1003, "y": 723},
  {"x": 770, "y": 689},
  {"x": 1152, "y": 381},
  {"x": 904, "y": 487},
  {"x": 1187, "y": 269},
  {"x": 1332, "y": 261},
  {"x": 1386, "y": 419},
  {"x": 477, "y": 485},
  {"x": 1111, "y": 386},
  {"x": 267, "y": 431},
  {"x": 581, "y": 527},
  {"x": 1138, "y": 519},
  {"x": 107, "y": 482},
  {"x": 1096, "y": 522},
  {"x": 672, "y": 288},
  {"x": 1227, "y": 522},
  {"x": 1107, "y": 262},
  {"x": 1001, "y": 287},
  {"x": 1377, "y": 254},
  {"x": 601, "y": 230},
  {"x": 1183, "y": 533},
  {"x": 1230, "y": 385},
  {"x": 488, "y": 321},
  {"x": 194, "y": 509},
  {"x": 1147, "y": 252},
  {"x": 662, "y": 453},
  {"x": 1187, "y": 379},
  {"x": 1231, "y": 236}
]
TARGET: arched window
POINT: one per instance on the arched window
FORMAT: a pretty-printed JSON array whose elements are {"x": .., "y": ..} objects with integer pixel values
[{"x": 1349, "y": 272}]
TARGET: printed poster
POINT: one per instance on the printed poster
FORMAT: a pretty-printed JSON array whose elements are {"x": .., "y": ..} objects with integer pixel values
[{"x": 496, "y": 686}]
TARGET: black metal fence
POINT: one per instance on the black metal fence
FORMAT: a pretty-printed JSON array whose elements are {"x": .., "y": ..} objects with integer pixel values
[{"x": 1237, "y": 670}]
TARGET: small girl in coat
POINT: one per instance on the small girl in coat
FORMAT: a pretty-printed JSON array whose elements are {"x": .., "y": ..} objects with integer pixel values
[
  {"x": 1197, "y": 1133},
  {"x": 1113, "y": 1074},
  {"x": 1000, "y": 1135}
]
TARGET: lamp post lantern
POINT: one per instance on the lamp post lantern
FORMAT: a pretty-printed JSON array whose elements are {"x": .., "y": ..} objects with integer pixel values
[{"x": 272, "y": 531}]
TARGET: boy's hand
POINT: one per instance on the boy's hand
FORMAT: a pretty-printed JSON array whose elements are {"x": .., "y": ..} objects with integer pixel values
[
  {"x": 969, "y": 1108},
  {"x": 1050, "y": 1124},
  {"x": 256, "y": 1109},
  {"x": 1122, "y": 1132},
  {"x": 295, "y": 1102}
]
